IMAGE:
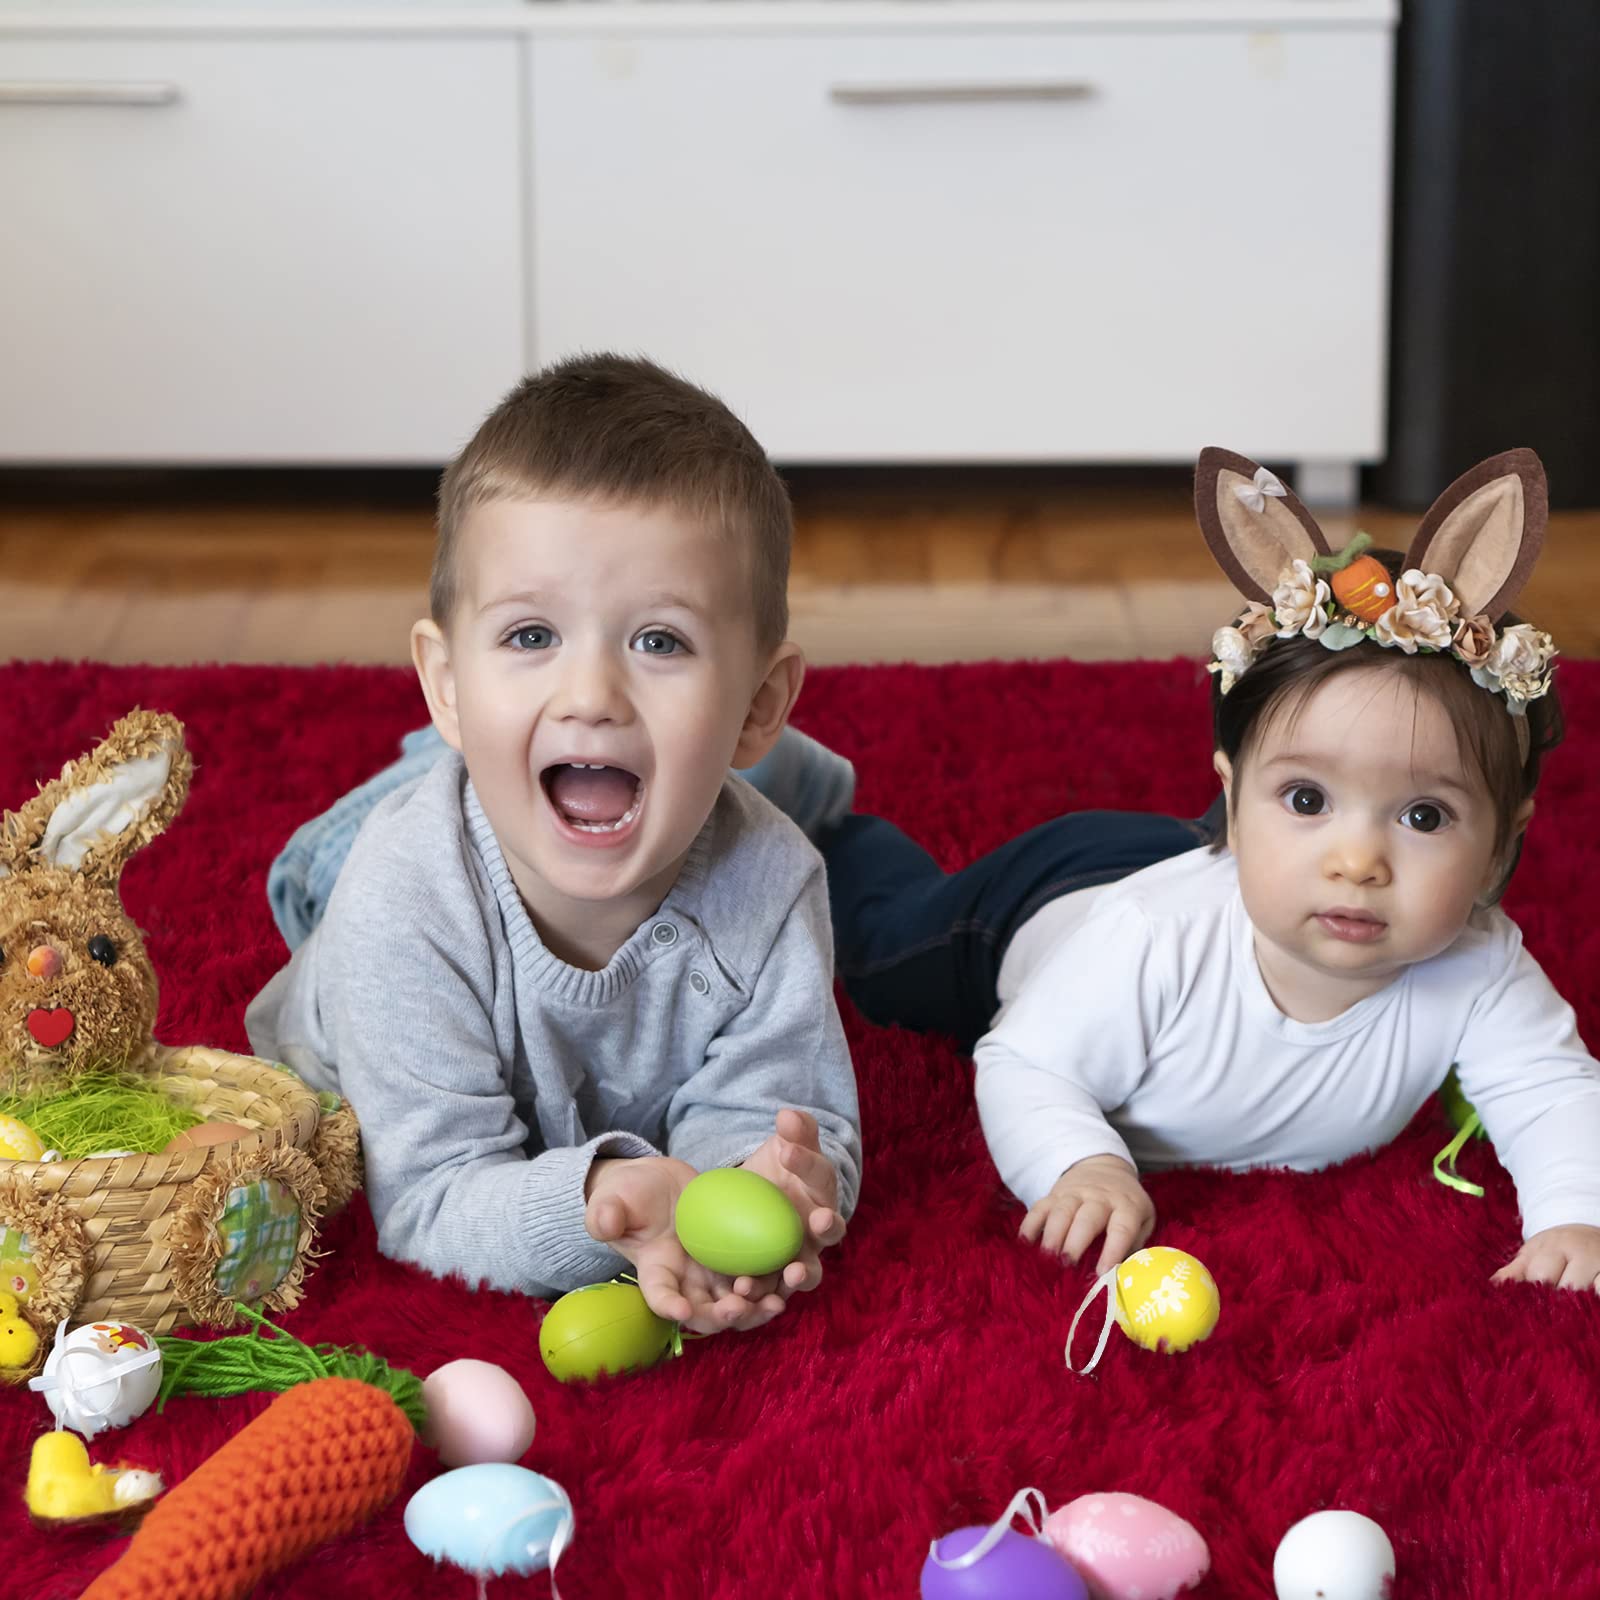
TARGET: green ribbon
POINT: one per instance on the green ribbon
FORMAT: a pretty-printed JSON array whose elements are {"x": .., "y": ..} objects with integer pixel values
[{"x": 1444, "y": 1164}]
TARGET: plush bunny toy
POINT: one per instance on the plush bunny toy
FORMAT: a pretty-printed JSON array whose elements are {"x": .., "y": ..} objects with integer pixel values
[
  {"x": 77, "y": 990},
  {"x": 149, "y": 1238}
]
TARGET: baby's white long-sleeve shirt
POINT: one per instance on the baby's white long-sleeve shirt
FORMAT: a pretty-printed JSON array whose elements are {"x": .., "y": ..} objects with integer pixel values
[{"x": 1134, "y": 1022}]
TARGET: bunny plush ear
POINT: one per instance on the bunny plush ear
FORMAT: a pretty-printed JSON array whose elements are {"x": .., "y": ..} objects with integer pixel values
[
  {"x": 1253, "y": 523},
  {"x": 1484, "y": 533},
  {"x": 105, "y": 805}
]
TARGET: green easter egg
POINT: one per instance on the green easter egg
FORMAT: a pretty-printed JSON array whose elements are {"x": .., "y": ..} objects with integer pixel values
[
  {"x": 736, "y": 1222},
  {"x": 606, "y": 1327}
]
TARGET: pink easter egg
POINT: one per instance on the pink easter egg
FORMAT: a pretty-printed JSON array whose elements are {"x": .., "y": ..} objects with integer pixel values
[
  {"x": 1128, "y": 1548},
  {"x": 477, "y": 1412}
]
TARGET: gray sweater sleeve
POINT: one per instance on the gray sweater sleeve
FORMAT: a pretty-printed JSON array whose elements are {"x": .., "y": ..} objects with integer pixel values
[
  {"x": 786, "y": 1047},
  {"x": 451, "y": 1185}
]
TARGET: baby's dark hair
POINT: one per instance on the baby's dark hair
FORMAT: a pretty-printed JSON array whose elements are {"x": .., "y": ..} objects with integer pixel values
[{"x": 1288, "y": 671}]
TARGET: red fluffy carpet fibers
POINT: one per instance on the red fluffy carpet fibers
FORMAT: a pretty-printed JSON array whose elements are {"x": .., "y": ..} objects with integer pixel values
[{"x": 1362, "y": 1360}]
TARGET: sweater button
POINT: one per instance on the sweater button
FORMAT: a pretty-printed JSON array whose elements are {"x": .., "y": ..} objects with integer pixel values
[
  {"x": 697, "y": 982},
  {"x": 664, "y": 933}
]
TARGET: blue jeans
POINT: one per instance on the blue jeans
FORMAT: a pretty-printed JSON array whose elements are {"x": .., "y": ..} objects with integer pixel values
[
  {"x": 920, "y": 947},
  {"x": 301, "y": 879}
]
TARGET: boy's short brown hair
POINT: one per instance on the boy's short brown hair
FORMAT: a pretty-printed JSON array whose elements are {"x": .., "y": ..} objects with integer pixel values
[{"x": 620, "y": 428}]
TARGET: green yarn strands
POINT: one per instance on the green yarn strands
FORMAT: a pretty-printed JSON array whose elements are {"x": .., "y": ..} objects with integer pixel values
[
  {"x": 242, "y": 1363},
  {"x": 101, "y": 1111},
  {"x": 1340, "y": 559}
]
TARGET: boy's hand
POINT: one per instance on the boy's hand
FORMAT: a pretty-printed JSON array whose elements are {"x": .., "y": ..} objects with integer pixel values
[
  {"x": 1100, "y": 1194},
  {"x": 630, "y": 1207},
  {"x": 1568, "y": 1257},
  {"x": 792, "y": 1158}
]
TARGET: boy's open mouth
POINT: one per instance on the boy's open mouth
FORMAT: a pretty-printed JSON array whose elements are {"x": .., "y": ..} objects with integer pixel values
[{"x": 592, "y": 798}]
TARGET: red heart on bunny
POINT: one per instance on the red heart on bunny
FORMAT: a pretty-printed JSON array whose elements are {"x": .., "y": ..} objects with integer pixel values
[{"x": 51, "y": 1027}]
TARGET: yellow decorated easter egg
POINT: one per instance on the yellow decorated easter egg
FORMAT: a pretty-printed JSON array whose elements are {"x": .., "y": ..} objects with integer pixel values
[
  {"x": 18, "y": 1142},
  {"x": 1165, "y": 1299}
]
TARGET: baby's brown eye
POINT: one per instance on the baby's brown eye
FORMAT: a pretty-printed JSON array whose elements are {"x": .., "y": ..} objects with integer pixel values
[{"x": 102, "y": 949}]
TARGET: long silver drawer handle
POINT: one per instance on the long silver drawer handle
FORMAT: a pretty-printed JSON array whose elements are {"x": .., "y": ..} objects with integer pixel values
[
  {"x": 930, "y": 94},
  {"x": 65, "y": 92}
]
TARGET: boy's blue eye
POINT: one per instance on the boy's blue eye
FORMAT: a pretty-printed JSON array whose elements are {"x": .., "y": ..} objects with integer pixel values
[
  {"x": 534, "y": 637},
  {"x": 1424, "y": 817},
  {"x": 1306, "y": 800},
  {"x": 658, "y": 642}
]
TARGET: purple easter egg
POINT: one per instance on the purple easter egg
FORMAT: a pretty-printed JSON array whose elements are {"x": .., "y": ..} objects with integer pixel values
[{"x": 1017, "y": 1568}]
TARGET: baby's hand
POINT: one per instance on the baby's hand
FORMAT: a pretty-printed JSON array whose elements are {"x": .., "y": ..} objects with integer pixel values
[
  {"x": 630, "y": 1207},
  {"x": 792, "y": 1158},
  {"x": 1100, "y": 1194},
  {"x": 1568, "y": 1257}
]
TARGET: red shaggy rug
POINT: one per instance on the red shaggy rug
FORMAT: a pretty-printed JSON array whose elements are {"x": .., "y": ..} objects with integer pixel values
[{"x": 1362, "y": 1360}]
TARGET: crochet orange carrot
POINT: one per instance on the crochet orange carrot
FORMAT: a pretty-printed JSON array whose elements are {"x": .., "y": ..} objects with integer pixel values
[{"x": 320, "y": 1460}]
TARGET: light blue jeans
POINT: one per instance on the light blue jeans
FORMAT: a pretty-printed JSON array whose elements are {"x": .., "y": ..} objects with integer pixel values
[{"x": 301, "y": 879}]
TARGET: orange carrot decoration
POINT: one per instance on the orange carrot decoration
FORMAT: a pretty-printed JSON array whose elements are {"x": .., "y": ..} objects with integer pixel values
[
  {"x": 1360, "y": 583},
  {"x": 325, "y": 1456}
]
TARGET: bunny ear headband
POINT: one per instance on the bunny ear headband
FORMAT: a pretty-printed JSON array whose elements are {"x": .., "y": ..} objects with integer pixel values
[{"x": 1467, "y": 564}]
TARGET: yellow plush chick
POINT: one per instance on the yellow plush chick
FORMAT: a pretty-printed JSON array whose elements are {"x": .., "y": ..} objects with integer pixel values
[
  {"x": 18, "y": 1142},
  {"x": 64, "y": 1487},
  {"x": 19, "y": 1344}
]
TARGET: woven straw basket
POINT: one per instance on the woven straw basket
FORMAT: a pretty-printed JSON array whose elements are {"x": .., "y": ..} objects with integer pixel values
[{"x": 158, "y": 1239}]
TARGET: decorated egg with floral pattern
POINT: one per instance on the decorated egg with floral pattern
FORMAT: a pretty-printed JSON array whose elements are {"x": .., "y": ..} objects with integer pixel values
[
  {"x": 1128, "y": 1548},
  {"x": 1165, "y": 1299}
]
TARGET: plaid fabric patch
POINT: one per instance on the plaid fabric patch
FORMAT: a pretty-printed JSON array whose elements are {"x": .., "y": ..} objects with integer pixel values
[
  {"x": 18, "y": 1273},
  {"x": 260, "y": 1229}
]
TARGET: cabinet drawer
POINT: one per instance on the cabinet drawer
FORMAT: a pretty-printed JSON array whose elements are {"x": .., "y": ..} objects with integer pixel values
[
  {"x": 1057, "y": 245},
  {"x": 279, "y": 249}
]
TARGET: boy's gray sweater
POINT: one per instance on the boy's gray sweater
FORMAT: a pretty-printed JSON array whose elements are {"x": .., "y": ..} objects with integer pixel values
[{"x": 488, "y": 1074}]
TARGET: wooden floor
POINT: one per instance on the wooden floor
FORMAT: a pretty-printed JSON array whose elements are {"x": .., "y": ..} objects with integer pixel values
[{"x": 924, "y": 565}]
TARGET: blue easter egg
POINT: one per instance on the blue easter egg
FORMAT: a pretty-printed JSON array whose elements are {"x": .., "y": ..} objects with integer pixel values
[
  {"x": 1017, "y": 1568},
  {"x": 491, "y": 1518}
]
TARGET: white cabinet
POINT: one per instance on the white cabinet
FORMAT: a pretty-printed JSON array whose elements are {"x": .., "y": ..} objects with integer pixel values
[
  {"x": 1066, "y": 243},
  {"x": 257, "y": 248},
  {"x": 1066, "y": 230}
]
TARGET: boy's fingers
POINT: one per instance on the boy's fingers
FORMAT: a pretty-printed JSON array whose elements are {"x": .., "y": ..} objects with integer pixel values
[
  {"x": 799, "y": 1126},
  {"x": 1033, "y": 1223},
  {"x": 826, "y": 1227},
  {"x": 663, "y": 1294},
  {"x": 811, "y": 1168},
  {"x": 606, "y": 1219}
]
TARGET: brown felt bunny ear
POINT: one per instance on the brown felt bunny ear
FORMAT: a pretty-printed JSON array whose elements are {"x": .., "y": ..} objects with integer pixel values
[
  {"x": 105, "y": 805},
  {"x": 1484, "y": 533},
  {"x": 1253, "y": 523}
]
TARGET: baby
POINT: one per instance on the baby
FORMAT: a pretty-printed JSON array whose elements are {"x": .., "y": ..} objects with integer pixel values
[
  {"x": 568, "y": 961},
  {"x": 1292, "y": 996}
]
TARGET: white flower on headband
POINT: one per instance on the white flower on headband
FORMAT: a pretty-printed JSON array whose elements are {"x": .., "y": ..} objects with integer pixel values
[
  {"x": 1254, "y": 494},
  {"x": 1518, "y": 666},
  {"x": 1300, "y": 602},
  {"x": 1425, "y": 611},
  {"x": 1233, "y": 652}
]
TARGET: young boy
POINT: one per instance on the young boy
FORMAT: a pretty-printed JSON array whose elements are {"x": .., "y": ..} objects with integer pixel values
[{"x": 572, "y": 961}]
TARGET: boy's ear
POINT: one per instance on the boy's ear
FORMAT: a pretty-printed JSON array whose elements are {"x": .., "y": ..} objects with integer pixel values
[
  {"x": 430, "y": 655},
  {"x": 770, "y": 705}
]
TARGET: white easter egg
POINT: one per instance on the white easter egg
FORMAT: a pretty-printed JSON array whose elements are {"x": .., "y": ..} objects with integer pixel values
[
  {"x": 1334, "y": 1555},
  {"x": 100, "y": 1376}
]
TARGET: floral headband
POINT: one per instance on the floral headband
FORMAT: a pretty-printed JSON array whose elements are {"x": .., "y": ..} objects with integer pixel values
[{"x": 1470, "y": 558}]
